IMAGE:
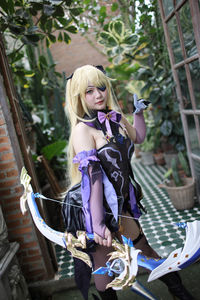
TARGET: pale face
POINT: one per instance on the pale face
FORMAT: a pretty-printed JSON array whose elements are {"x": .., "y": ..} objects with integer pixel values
[{"x": 95, "y": 97}]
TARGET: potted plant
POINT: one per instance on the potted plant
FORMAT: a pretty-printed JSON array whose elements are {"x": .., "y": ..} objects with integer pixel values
[
  {"x": 147, "y": 151},
  {"x": 158, "y": 156},
  {"x": 179, "y": 184},
  {"x": 158, "y": 153}
]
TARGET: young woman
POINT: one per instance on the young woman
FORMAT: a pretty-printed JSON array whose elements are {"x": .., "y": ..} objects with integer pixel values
[{"x": 100, "y": 148}]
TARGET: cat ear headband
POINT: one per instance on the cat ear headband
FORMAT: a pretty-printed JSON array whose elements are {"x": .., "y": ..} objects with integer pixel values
[{"x": 99, "y": 67}]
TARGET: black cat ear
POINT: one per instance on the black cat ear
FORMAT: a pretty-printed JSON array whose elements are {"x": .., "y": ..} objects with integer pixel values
[{"x": 100, "y": 67}]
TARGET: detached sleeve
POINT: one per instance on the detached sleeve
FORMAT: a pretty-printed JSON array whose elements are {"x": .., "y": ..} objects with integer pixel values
[
  {"x": 96, "y": 200},
  {"x": 92, "y": 191},
  {"x": 140, "y": 127}
]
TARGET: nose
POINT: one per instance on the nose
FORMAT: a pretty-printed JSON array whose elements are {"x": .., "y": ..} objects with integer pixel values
[{"x": 97, "y": 92}]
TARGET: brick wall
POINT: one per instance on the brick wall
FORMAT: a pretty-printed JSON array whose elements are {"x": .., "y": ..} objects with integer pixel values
[
  {"x": 20, "y": 228},
  {"x": 79, "y": 52}
]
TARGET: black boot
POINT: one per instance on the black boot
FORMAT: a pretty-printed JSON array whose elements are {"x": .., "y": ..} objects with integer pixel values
[
  {"x": 108, "y": 294},
  {"x": 175, "y": 286}
]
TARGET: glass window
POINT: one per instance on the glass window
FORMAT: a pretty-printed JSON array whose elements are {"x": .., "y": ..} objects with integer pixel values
[
  {"x": 193, "y": 138},
  {"x": 197, "y": 173},
  {"x": 195, "y": 74},
  {"x": 178, "y": 1},
  {"x": 168, "y": 7},
  {"x": 174, "y": 38},
  {"x": 184, "y": 88},
  {"x": 187, "y": 30}
]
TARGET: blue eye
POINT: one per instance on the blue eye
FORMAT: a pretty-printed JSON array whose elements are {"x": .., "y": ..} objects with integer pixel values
[
  {"x": 89, "y": 92},
  {"x": 102, "y": 88}
]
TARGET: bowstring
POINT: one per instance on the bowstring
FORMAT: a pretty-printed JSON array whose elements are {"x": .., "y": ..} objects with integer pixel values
[{"x": 175, "y": 224}]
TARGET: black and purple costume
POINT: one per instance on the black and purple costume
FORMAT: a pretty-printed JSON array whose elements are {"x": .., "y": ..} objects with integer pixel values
[
  {"x": 108, "y": 190},
  {"x": 111, "y": 165}
]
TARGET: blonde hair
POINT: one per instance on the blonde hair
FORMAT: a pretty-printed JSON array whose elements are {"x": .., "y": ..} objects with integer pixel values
[{"x": 76, "y": 107}]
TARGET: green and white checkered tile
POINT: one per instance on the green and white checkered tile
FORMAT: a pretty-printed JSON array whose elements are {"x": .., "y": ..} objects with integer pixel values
[
  {"x": 65, "y": 263},
  {"x": 157, "y": 224}
]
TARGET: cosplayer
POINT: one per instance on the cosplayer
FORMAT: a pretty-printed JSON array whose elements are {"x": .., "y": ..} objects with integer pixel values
[{"x": 100, "y": 149}]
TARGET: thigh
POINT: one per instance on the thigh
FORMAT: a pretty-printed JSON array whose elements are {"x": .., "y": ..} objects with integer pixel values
[
  {"x": 129, "y": 227},
  {"x": 100, "y": 257},
  {"x": 132, "y": 229}
]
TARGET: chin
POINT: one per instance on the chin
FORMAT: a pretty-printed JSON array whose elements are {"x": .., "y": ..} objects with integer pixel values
[{"x": 101, "y": 106}]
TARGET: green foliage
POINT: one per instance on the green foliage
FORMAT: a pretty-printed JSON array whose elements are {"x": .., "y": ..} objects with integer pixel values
[
  {"x": 148, "y": 144},
  {"x": 40, "y": 88},
  {"x": 176, "y": 166},
  {"x": 44, "y": 98},
  {"x": 139, "y": 58},
  {"x": 175, "y": 175},
  {"x": 54, "y": 149},
  {"x": 118, "y": 41},
  {"x": 29, "y": 22},
  {"x": 184, "y": 163},
  {"x": 165, "y": 108}
]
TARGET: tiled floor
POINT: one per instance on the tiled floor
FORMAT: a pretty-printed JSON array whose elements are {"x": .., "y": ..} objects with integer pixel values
[{"x": 157, "y": 223}]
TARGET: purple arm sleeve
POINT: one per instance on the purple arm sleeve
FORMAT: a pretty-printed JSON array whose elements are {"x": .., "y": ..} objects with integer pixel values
[
  {"x": 140, "y": 127},
  {"x": 92, "y": 191},
  {"x": 96, "y": 200}
]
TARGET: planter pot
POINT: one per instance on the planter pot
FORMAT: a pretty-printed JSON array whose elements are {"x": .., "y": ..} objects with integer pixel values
[
  {"x": 159, "y": 158},
  {"x": 182, "y": 197},
  {"x": 147, "y": 158},
  {"x": 137, "y": 152}
]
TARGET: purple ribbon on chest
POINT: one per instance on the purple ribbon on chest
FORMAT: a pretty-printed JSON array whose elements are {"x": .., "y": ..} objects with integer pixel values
[{"x": 107, "y": 117}]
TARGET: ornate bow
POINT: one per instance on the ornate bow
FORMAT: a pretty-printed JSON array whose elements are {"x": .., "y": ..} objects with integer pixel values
[
  {"x": 106, "y": 117},
  {"x": 126, "y": 259},
  {"x": 60, "y": 238}
]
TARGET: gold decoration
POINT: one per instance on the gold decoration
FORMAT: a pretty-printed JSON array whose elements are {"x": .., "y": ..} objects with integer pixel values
[
  {"x": 25, "y": 181},
  {"x": 128, "y": 256},
  {"x": 79, "y": 242}
]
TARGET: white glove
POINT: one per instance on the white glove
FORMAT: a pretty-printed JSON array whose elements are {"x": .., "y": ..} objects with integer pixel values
[{"x": 139, "y": 105}]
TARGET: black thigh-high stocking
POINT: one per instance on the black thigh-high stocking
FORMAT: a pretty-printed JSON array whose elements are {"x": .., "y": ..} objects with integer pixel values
[{"x": 100, "y": 257}]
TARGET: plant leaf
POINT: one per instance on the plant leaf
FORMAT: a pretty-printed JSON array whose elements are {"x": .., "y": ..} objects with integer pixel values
[
  {"x": 54, "y": 149},
  {"x": 166, "y": 128}
]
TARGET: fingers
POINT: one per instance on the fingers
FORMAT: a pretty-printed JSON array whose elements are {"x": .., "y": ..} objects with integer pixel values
[
  {"x": 135, "y": 98},
  {"x": 69, "y": 239},
  {"x": 98, "y": 239},
  {"x": 107, "y": 241}
]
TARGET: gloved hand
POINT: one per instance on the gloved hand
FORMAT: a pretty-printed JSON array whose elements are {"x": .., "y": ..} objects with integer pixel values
[{"x": 139, "y": 105}]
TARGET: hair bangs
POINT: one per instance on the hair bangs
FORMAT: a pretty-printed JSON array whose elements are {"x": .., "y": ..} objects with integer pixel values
[{"x": 85, "y": 75}]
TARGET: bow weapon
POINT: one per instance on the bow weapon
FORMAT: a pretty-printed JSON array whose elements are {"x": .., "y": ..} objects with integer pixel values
[{"x": 124, "y": 261}]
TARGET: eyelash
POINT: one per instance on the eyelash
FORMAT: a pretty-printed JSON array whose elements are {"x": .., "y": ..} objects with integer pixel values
[{"x": 88, "y": 92}]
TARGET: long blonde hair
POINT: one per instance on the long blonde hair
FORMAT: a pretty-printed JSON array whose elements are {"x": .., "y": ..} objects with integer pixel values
[{"x": 76, "y": 107}]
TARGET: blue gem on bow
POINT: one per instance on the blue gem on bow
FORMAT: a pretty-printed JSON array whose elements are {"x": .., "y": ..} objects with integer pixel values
[
  {"x": 116, "y": 267},
  {"x": 127, "y": 241},
  {"x": 181, "y": 224}
]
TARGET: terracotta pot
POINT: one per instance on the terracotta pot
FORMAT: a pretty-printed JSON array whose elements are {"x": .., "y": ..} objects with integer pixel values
[
  {"x": 137, "y": 152},
  {"x": 182, "y": 197},
  {"x": 159, "y": 158}
]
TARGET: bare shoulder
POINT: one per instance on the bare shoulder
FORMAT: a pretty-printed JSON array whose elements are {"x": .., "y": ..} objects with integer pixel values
[
  {"x": 82, "y": 138},
  {"x": 80, "y": 128}
]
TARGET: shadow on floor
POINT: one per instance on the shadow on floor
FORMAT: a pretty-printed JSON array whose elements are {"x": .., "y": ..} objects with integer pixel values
[{"x": 190, "y": 277}]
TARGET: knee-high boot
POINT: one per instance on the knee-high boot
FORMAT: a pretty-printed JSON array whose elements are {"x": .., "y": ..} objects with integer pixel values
[
  {"x": 175, "y": 286},
  {"x": 108, "y": 294}
]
